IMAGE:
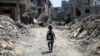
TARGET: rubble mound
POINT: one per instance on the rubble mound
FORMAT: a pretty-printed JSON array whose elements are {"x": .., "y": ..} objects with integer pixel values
[
  {"x": 6, "y": 18},
  {"x": 88, "y": 27},
  {"x": 9, "y": 32},
  {"x": 88, "y": 32}
]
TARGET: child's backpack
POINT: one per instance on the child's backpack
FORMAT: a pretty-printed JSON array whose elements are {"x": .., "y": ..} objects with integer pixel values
[{"x": 50, "y": 35}]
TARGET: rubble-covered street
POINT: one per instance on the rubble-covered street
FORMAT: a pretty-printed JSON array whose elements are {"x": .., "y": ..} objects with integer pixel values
[
  {"x": 36, "y": 45},
  {"x": 74, "y": 40},
  {"x": 81, "y": 39},
  {"x": 26, "y": 27},
  {"x": 16, "y": 41}
]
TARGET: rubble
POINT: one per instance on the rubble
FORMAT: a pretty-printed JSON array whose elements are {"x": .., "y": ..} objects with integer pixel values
[
  {"x": 9, "y": 33},
  {"x": 88, "y": 32},
  {"x": 87, "y": 27}
]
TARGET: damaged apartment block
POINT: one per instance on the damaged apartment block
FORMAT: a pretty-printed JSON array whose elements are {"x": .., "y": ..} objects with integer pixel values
[{"x": 25, "y": 10}]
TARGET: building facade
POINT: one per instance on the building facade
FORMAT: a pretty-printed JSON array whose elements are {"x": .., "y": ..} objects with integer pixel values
[
  {"x": 84, "y": 8},
  {"x": 17, "y": 9},
  {"x": 65, "y": 5},
  {"x": 12, "y": 8}
]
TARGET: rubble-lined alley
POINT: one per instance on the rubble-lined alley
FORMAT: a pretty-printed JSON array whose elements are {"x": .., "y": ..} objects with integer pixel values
[
  {"x": 17, "y": 41},
  {"x": 73, "y": 40},
  {"x": 24, "y": 28}
]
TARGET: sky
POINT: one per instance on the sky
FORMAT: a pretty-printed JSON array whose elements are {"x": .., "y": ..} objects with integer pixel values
[{"x": 56, "y": 3}]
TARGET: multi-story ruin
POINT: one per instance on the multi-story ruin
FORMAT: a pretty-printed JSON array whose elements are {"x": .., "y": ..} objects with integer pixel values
[
  {"x": 12, "y": 8},
  {"x": 84, "y": 8},
  {"x": 65, "y": 5},
  {"x": 17, "y": 9}
]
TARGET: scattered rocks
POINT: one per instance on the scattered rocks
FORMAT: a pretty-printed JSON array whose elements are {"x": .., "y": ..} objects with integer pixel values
[
  {"x": 87, "y": 31},
  {"x": 82, "y": 35},
  {"x": 89, "y": 26},
  {"x": 10, "y": 31}
]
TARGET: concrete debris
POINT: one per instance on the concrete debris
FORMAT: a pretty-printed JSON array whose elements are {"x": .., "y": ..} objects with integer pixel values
[
  {"x": 6, "y": 18},
  {"x": 9, "y": 33},
  {"x": 83, "y": 34},
  {"x": 88, "y": 32},
  {"x": 87, "y": 27}
]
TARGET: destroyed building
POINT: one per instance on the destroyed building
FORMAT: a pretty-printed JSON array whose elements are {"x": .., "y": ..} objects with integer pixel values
[
  {"x": 12, "y": 8},
  {"x": 65, "y": 5},
  {"x": 18, "y": 9},
  {"x": 83, "y": 8}
]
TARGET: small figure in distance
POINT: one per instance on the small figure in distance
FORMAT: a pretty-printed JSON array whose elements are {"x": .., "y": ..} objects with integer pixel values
[{"x": 50, "y": 38}]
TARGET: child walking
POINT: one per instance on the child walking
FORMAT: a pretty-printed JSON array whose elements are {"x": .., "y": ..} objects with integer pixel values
[{"x": 50, "y": 38}]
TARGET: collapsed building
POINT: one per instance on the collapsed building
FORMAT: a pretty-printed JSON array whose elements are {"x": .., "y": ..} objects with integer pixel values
[
  {"x": 12, "y": 8},
  {"x": 83, "y": 8},
  {"x": 87, "y": 32},
  {"x": 21, "y": 9}
]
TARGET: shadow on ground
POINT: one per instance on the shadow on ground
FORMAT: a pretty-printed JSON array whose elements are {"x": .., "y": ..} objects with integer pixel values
[{"x": 46, "y": 52}]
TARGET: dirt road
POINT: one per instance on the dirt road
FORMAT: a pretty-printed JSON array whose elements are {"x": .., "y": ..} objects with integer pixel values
[{"x": 36, "y": 44}]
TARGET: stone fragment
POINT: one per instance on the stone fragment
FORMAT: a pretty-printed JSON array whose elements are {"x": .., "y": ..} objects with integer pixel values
[{"x": 82, "y": 35}]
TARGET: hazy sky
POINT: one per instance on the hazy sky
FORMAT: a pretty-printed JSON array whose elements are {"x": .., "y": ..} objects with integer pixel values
[{"x": 56, "y": 3}]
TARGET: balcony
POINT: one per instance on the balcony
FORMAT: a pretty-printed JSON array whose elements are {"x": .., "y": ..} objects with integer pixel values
[{"x": 14, "y": 1}]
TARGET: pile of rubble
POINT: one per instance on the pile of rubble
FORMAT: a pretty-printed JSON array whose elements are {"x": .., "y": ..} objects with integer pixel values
[
  {"x": 89, "y": 27},
  {"x": 88, "y": 32},
  {"x": 9, "y": 32}
]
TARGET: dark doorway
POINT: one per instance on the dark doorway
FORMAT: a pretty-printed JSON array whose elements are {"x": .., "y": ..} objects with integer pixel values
[
  {"x": 6, "y": 11},
  {"x": 9, "y": 12},
  {"x": 39, "y": 10},
  {"x": 78, "y": 12},
  {"x": 87, "y": 11}
]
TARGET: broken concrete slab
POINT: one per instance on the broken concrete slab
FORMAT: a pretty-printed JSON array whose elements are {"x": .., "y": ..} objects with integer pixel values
[{"x": 82, "y": 35}]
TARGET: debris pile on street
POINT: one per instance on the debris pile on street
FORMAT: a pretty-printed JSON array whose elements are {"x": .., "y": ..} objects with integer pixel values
[
  {"x": 89, "y": 27},
  {"x": 88, "y": 33},
  {"x": 9, "y": 33}
]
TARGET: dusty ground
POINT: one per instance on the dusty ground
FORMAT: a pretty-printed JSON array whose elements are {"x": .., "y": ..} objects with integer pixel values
[{"x": 36, "y": 45}]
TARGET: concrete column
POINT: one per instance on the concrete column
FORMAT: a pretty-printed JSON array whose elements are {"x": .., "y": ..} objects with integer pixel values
[
  {"x": 18, "y": 12},
  {"x": 49, "y": 17},
  {"x": 48, "y": 13}
]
